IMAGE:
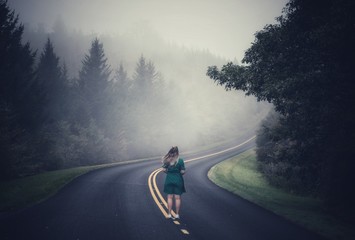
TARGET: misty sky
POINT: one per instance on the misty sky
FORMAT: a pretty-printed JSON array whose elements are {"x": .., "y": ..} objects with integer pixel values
[{"x": 224, "y": 27}]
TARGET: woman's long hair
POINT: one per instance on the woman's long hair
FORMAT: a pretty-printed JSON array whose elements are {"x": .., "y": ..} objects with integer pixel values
[{"x": 171, "y": 156}]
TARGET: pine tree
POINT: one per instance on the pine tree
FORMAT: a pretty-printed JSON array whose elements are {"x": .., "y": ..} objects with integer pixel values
[
  {"x": 145, "y": 99},
  {"x": 145, "y": 81},
  {"x": 16, "y": 73},
  {"x": 49, "y": 86},
  {"x": 16, "y": 62},
  {"x": 120, "y": 83},
  {"x": 94, "y": 81},
  {"x": 121, "y": 74},
  {"x": 65, "y": 77},
  {"x": 119, "y": 103},
  {"x": 145, "y": 74}
]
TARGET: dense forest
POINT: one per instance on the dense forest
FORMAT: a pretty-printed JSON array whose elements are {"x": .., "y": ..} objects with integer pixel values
[
  {"x": 71, "y": 99},
  {"x": 304, "y": 66}
]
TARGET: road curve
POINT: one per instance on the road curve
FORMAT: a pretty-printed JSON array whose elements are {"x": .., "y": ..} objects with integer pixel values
[{"x": 116, "y": 203}]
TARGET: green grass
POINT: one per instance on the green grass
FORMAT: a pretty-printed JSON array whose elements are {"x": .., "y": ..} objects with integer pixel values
[
  {"x": 240, "y": 175},
  {"x": 29, "y": 190},
  {"x": 23, "y": 192}
]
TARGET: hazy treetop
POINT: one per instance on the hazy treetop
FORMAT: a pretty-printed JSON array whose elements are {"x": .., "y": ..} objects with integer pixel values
[{"x": 225, "y": 27}]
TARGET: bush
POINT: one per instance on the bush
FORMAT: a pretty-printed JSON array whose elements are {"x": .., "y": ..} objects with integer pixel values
[{"x": 278, "y": 158}]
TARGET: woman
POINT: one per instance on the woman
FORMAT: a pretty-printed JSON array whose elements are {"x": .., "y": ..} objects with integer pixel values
[{"x": 174, "y": 168}]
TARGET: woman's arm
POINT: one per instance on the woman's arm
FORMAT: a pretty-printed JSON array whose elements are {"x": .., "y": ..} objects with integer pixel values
[
  {"x": 182, "y": 167},
  {"x": 165, "y": 168}
]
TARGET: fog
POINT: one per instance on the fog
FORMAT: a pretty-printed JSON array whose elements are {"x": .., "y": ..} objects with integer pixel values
[
  {"x": 181, "y": 38},
  {"x": 225, "y": 27}
]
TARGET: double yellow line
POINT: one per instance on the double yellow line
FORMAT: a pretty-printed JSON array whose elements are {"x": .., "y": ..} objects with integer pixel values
[
  {"x": 154, "y": 191},
  {"x": 158, "y": 198}
]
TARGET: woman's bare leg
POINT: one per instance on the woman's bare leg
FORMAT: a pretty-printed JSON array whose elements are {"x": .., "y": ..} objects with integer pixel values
[
  {"x": 170, "y": 202},
  {"x": 177, "y": 203}
]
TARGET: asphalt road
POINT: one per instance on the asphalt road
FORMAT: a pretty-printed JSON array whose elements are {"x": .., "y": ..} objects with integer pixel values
[{"x": 116, "y": 203}]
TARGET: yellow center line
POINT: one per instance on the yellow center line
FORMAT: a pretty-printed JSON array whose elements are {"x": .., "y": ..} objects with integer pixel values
[
  {"x": 156, "y": 187},
  {"x": 153, "y": 194},
  {"x": 184, "y": 231},
  {"x": 159, "y": 199},
  {"x": 223, "y": 151}
]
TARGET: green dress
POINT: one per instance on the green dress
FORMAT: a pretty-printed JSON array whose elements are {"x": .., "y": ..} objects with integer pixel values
[{"x": 174, "y": 182}]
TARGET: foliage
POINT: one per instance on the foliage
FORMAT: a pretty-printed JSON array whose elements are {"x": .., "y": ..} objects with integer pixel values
[
  {"x": 16, "y": 74},
  {"x": 280, "y": 159},
  {"x": 240, "y": 175},
  {"x": 26, "y": 191},
  {"x": 303, "y": 65},
  {"x": 51, "y": 120},
  {"x": 49, "y": 86},
  {"x": 16, "y": 60},
  {"x": 143, "y": 98},
  {"x": 94, "y": 81}
]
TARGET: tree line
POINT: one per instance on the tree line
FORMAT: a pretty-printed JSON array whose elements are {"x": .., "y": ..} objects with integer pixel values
[
  {"x": 303, "y": 65},
  {"x": 64, "y": 105},
  {"x": 51, "y": 121}
]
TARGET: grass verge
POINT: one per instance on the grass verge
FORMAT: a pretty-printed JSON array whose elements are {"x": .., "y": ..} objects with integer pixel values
[
  {"x": 240, "y": 176},
  {"x": 23, "y": 192},
  {"x": 26, "y": 191}
]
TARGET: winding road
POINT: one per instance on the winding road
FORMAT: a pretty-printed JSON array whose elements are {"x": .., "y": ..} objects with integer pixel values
[{"x": 123, "y": 202}]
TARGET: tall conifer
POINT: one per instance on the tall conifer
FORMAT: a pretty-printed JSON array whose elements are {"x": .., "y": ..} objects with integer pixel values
[
  {"x": 49, "y": 86},
  {"x": 94, "y": 81}
]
